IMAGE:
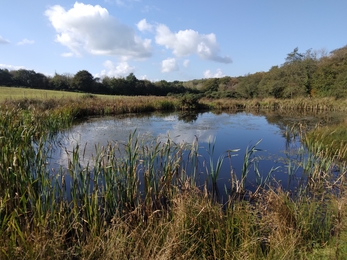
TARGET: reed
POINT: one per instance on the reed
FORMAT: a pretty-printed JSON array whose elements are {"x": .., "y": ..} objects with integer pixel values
[
  {"x": 330, "y": 141},
  {"x": 302, "y": 104},
  {"x": 142, "y": 198}
]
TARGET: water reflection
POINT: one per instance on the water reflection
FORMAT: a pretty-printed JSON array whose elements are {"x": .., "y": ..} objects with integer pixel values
[{"x": 237, "y": 130}]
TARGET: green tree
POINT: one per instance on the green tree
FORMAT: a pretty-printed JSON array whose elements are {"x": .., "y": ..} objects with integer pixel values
[
  {"x": 6, "y": 78},
  {"x": 131, "y": 79},
  {"x": 299, "y": 69},
  {"x": 83, "y": 81},
  {"x": 210, "y": 85},
  {"x": 294, "y": 56},
  {"x": 29, "y": 79},
  {"x": 330, "y": 76},
  {"x": 272, "y": 84},
  {"x": 23, "y": 77},
  {"x": 248, "y": 85},
  {"x": 61, "y": 82},
  {"x": 116, "y": 86}
]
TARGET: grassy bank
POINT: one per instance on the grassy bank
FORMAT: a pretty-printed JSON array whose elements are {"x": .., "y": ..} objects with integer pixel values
[
  {"x": 144, "y": 204},
  {"x": 10, "y": 94},
  {"x": 329, "y": 140},
  {"x": 306, "y": 104}
]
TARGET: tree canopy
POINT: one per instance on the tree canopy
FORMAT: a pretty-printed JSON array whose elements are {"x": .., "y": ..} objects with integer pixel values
[{"x": 303, "y": 74}]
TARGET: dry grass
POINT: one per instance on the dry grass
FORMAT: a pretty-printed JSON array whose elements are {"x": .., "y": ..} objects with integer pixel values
[
  {"x": 37, "y": 222},
  {"x": 196, "y": 228},
  {"x": 308, "y": 104},
  {"x": 330, "y": 141}
]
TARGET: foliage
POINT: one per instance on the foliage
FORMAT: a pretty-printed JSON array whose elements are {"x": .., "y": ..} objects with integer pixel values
[
  {"x": 141, "y": 201},
  {"x": 6, "y": 78},
  {"x": 329, "y": 141},
  {"x": 248, "y": 85},
  {"x": 83, "y": 81},
  {"x": 190, "y": 101},
  {"x": 61, "y": 82},
  {"x": 307, "y": 74}
]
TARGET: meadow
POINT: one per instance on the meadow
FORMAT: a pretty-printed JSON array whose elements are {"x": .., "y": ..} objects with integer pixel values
[
  {"x": 10, "y": 93},
  {"x": 100, "y": 212}
]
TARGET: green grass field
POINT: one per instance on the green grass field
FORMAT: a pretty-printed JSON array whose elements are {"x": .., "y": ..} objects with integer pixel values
[{"x": 11, "y": 93}]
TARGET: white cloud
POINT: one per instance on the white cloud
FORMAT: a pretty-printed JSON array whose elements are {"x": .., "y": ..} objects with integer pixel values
[
  {"x": 112, "y": 70},
  {"x": 92, "y": 29},
  {"x": 25, "y": 41},
  {"x": 10, "y": 67},
  {"x": 218, "y": 74},
  {"x": 169, "y": 65},
  {"x": 3, "y": 41},
  {"x": 144, "y": 26},
  {"x": 186, "y": 63},
  {"x": 188, "y": 42}
]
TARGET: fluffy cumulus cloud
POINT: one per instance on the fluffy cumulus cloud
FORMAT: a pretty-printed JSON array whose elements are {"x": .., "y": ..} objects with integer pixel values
[
  {"x": 92, "y": 29},
  {"x": 169, "y": 65},
  {"x": 188, "y": 42},
  {"x": 122, "y": 69},
  {"x": 3, "y": 41},
  {"x": 209, "y": 74},
  {"x": 25, "y": 41},
  {"x": 144, "y": 26}
]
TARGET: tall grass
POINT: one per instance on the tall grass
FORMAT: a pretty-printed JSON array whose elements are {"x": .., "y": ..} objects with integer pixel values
[
  {"x": 330, "y": 141},
  {"x": 303, "y": 104},
  {"x": 141, "y": 199}
]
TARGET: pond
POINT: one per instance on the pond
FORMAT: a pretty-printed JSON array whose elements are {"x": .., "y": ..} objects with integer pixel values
[{"x": 218, "y": 131}]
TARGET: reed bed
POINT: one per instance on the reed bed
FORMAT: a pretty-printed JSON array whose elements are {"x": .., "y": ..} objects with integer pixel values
[
  {"x": 304, "y": 104},
  {"x": 91, "y": 105},
  {"x": 141, "y": 199},
  {"x": 329, "y": 141}
]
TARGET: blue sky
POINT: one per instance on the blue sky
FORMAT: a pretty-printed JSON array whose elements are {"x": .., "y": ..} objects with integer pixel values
[{"x": 165, "y": 39}]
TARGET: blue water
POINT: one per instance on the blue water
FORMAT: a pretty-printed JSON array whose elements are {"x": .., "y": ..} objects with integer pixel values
[{"x": 230, "y": 131}]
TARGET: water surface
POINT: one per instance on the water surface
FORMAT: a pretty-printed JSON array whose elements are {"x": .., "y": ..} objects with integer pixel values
[{"x": 226, "y": 131}]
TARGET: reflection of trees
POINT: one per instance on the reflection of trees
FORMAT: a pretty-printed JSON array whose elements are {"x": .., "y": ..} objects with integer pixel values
[
  {"x": 310, "y": 119},
  {"x": 282, "y": 119},
  {"x": 290, "y": 121},
  {"x": 188, "y": 117},
  {"x": 185, "y": 116}
]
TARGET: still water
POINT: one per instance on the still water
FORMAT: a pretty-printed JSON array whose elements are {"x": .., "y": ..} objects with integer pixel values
[{"x": 239, "y": 130}]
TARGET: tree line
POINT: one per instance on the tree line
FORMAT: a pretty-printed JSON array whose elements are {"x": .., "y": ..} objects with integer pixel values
[
  {"x": 308, "y": 74},
  {"x": 83, "y": 81}
]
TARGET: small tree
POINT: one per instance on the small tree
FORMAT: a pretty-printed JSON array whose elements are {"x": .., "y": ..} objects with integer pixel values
[{"x": 294, "y": 56}]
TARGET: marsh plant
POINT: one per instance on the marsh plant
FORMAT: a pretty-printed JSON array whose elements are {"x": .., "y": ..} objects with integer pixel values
[{"x": 142, "y": 199}]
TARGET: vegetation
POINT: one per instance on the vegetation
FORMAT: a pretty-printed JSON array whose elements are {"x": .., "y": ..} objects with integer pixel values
[
  {"x": 330, "y": 140},
  {"x": 141, "y": 199},
  {"x": 303, "y": 75},
  {"x": 142, "y": 202}
]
